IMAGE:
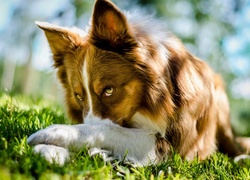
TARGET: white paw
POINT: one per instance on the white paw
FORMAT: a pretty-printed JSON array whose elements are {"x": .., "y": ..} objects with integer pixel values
[
  {"x": 241, "y": 157},
  {"x": 105, "y": 154},
  {"x": 59, "y": 135},
  {"x": 53, "y": 153},
  {"x": 108, "y": 156}
]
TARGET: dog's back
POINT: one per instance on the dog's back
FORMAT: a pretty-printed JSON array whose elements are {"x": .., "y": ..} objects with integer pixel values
[{"x": 201, "y": 121}]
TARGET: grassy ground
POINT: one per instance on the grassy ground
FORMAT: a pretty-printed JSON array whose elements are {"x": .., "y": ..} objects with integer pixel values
[{"x": 20, "y": 116}]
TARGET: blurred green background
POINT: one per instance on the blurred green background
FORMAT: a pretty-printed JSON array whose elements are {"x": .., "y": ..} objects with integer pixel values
[{"x": 218, "y": 31}]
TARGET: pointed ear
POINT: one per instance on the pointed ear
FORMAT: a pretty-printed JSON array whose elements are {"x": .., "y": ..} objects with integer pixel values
[
  {"x": 109, "y": 26},
  {"x": 62, "y": 40}
]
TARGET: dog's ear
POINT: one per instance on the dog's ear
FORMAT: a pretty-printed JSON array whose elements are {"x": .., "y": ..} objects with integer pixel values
[
  {"x": 109, "y": 27},
  {"x": 62, "y": 40}
]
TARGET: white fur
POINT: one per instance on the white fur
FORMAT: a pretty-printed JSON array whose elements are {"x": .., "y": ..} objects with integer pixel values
[
  {"x": 89, "y": 116},
  {"x": 241, "y": 157},
  {"x": 143, "y": 122},
  {"x": 53, "y": 153},
  {"x": 139, "y": 145}
]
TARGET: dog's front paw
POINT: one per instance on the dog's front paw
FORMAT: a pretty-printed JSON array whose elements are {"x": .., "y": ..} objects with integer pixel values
[
  {"x": 108, "y": 156},
  {"x": 105, "y": 154},
  {"x": 53, "y": 154},
  {"x": 58, "y": 135},
  {"x": 241, "y": 157}
]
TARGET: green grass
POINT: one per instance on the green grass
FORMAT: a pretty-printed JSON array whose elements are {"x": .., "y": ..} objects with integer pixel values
[{"x": 21, "y": 115}]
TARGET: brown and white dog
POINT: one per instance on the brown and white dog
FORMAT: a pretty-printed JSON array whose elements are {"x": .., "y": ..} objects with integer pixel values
[{"x": 137, "y": 91}]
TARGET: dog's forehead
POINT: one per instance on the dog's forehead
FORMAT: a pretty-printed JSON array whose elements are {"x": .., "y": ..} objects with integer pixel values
[
  {"x": 106, "y": 68},
  {"x": 100, "y": 61}
]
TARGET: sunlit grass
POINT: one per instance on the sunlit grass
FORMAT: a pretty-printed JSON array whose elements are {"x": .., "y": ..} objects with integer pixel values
[{"x": 20, "y": 116}]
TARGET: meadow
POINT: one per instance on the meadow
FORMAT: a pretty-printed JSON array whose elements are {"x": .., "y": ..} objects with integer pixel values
[{"x": 22, "y": 115}]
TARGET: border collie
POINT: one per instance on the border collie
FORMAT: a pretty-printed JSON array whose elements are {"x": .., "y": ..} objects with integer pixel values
[{"x": 136, "y": 93}]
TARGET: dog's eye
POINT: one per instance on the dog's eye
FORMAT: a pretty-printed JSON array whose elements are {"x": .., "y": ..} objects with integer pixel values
[
  {"x": 79, "y": 97},
  {"x": 108, "y": 91}
]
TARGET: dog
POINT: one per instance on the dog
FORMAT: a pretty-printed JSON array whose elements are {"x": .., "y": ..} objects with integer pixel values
[{"x": 136, "y": 93}]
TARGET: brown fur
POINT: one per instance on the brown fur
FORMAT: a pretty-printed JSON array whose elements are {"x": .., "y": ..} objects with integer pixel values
[{"x": 160, "y": 79}]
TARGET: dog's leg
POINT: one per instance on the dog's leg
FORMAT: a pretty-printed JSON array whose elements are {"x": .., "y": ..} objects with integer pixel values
[
  {"x": 225, "y": 136},
  {"x": 139, "y": 145},
  {"x": 244, "y": 142}
]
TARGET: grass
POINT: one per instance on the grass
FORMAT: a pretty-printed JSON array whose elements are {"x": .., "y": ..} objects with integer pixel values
[{"x": 20, "y": 116}]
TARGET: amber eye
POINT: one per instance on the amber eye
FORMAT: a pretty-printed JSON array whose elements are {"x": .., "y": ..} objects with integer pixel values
[
  {"x": 108, "y": 91},
  {"x": 78, "y": 97}
]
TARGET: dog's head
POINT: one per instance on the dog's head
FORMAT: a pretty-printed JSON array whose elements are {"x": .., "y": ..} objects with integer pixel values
[{"x": 106, "y": 72}]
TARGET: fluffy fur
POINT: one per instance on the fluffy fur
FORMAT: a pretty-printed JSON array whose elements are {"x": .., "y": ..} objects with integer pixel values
[{"x": 137, "y": 89}]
